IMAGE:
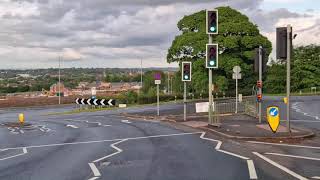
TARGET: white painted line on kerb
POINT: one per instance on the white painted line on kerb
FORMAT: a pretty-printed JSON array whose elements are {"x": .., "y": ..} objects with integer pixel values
[
  {"x": 94, "y": 169},
  {"x": 280, "y": 166},
  {"x": 315, "y": 177},
  {"x": 24, "y": 150},
  {"x": 293, "y": 156},
  {"x": 114, "y": 147},
  {"x": 252, "y": 170},
  {"x": 288, "y": 145}
]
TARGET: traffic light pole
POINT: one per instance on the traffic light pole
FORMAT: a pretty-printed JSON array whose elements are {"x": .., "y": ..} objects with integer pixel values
[
  {"x": 185, "y": 102},
  {"x": 210, "y": 121},
  {"x": 158, "y": 99},
  {"x": 260, "y": 79},
  {"x": 289, "y": 29}
]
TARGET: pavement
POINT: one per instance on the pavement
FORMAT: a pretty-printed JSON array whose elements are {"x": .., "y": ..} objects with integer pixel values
[{"x": 106, "y": 145}]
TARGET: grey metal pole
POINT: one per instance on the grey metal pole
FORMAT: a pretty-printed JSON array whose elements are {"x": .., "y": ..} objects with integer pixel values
[
  {"x": 59, "y": 81},
  {"x": 289, "y": 29},
  {"x": 260, "y": 79},
  {"x": 210, "y": 90},
  {"x": 185, "y": 102},
  {"x": 171, "y": 79},
  {"x": 141, "y": 73},
  {"x": 236, "y": 93},
  {"x": 158, "y": 105},
  {"x": 168, "y": 89}
]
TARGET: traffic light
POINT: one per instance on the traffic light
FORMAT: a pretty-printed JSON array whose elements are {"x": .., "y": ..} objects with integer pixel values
[
  {"x": 212, "y": 21},
  {"x": 186, "y": 71},
  {"x": 259, "y": 84},
  {"x": 259, "y": 97},
  {"x": 212, "y": 56},
  {"x": 282, "y": 41},
  {"x": 264, "y": 60}
]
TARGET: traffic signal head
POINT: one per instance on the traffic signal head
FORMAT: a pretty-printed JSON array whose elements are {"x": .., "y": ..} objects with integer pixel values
[
  {"x": 259, "y": 97},
  {"x": 212, "y": 21},
  {"x": 212, "y": 56},
  {"x": 186, "y": 71},
  {"x": 259, "y": 84},
  {"x": 264, "y": 60},
  {"x": 282, "y": 42}
]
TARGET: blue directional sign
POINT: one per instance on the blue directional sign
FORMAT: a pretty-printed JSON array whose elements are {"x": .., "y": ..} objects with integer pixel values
[{"x": 273, "y": 111}]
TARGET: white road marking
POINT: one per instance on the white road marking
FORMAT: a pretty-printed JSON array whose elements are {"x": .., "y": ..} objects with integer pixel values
[
  {"x": 280, "y": 166},
  {"x": 24, "y": 149},
  {"x": 233, "y": 154},
  {"x": 309, "y": 121},
  {"x": 114, "y": 147},
  {"x": 72, "y": 126},
  {"x": 92, "y": 165},
  {"x": 21, "y": 131},
  {"x": 94, "y": 178},
  {"x": 3, "y": 150},
  {"x": 289, "y": 145},
  {"x": 315, "y": 177},
  {"x": 299, "y": 157},
  {"x": 104, "y": 140},
  {"x": 252, "y": 170},
  {"x": 94, "y": 169},
  {"x": 125, "y": 121},
  {"x": 106, "y": 125}
]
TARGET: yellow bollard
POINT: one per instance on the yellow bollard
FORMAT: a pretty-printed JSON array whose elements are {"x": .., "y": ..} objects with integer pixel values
[
  {"x": 21, "y": 118},
  {"x": 285, "y": 100}
]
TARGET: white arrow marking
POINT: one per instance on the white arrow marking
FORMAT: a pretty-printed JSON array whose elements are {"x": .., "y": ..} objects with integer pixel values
[
  {"x": 82, "y": 102},
  {"x": 273, "y": 112},
  {"x": 95, "y": 102},
  {"x": 88, "y": 101},
  {"x": 102, "y": 102},
  {"x": 110, "y": 102}
]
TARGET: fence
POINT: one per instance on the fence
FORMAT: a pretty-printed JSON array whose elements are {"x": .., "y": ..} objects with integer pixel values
[{"x": 228, "y": 106}]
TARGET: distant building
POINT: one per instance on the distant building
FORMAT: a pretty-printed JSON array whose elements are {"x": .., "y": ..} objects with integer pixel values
[
  {"x": 24, "y": 75},
  {"x": 54, "y": 89}
]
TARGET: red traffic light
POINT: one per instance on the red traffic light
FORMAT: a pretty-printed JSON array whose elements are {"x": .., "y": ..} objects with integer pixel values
[{"x": 259, "y": 84}]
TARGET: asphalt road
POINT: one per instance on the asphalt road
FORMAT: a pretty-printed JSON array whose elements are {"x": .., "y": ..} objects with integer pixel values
[{"x": 104, "y": 145}]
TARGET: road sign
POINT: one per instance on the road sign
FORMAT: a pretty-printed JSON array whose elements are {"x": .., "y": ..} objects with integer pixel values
[
  {"x": 96, "y": 102},
  {"x": 157, "y": 81},
  {"x": 273, "y": 117},
  {"x": 237, "y": 69},
  {"x": 236, "y": 76},
  {"x": 285, "y": 100},
  {"x": 157, "y": 76},
  {"x": 203, "y": 107},
  {"x": 93, "y": 91},
  {"x": 240, "y": 97}
]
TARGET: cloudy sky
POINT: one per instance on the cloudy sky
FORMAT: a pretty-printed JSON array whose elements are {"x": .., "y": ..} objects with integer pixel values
[{"x": 118, "y": 33}]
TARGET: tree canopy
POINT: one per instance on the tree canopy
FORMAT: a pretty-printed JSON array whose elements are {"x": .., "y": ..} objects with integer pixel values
[{"x": 237, "y": 39}]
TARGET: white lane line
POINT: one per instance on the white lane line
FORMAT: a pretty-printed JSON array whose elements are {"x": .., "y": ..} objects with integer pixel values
[
  {"x": 280, "y": 166},
  {"x": 94, "y": 169},
  {"x": 24, "y": 149},
  {"x": 114, "y": 147},
  {"x": 293, "y": 156},
  {"x": 72, "y": 126},
  {"x": 289, "y": 145},
  {"x": 104, "y": 140},
  {"x": 106, "y": 125},
  {"x": 315, "y": 177},
  {"x": 21, "y": 131},
  {"x": 233, "y": 154},
  {"x": 252, "y": 170},
  {"x": 3, "y": 150}
]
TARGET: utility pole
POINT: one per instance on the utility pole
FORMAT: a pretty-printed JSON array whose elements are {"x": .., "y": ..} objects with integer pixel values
[
  {"x": 260, "y": 79},
  {"x": 59, "y": 81},
  {"x": 210, "y": 89},
  {"x": 289, "y": 35}
]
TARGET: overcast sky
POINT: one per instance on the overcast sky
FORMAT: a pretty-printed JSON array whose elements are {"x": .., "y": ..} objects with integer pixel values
[{"x": 118, "y": 33}]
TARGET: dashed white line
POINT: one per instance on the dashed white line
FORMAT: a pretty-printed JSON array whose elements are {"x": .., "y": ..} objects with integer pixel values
[
  {"x": 280, "y": 166},
  {"x": 252, "y": 170},
  {"x": 289, "y": 145},
  {"x": 294, "y": 156}
]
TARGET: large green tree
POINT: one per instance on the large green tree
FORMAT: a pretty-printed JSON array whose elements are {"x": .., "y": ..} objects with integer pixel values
[{"x": 237, "y": 39}]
